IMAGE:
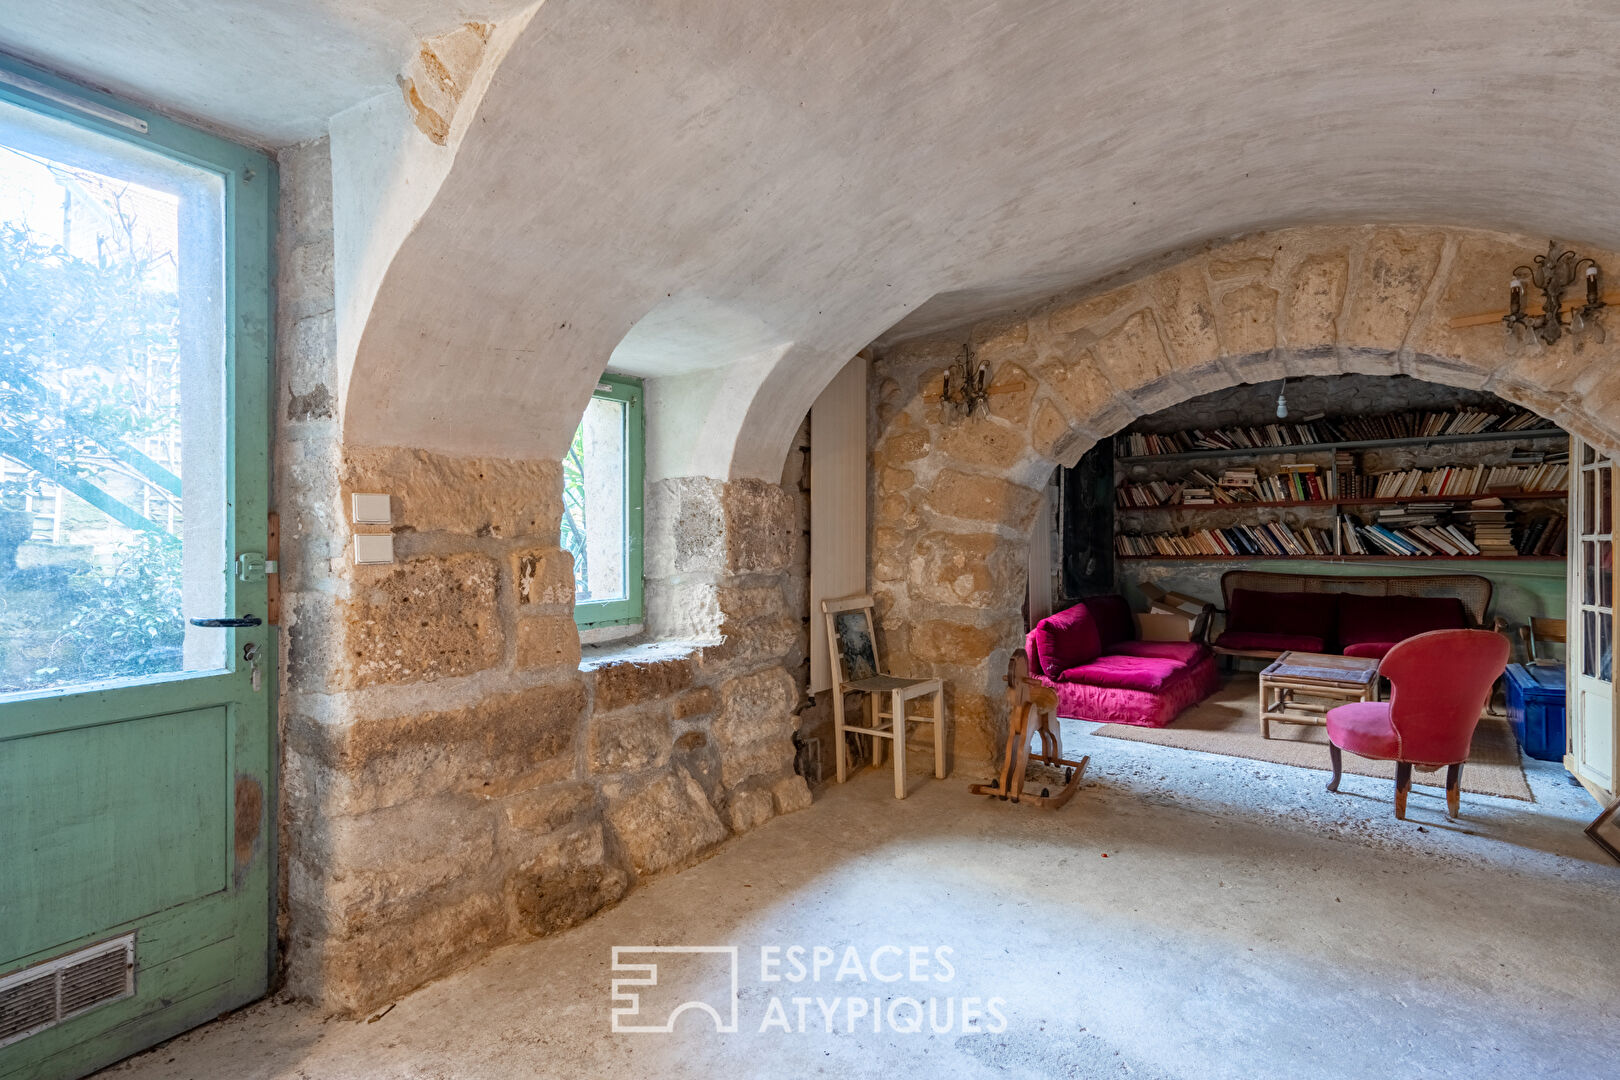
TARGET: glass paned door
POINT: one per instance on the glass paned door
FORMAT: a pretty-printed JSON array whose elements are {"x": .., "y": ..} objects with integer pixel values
[
  {"x": 111, "y": 409},
  {"x": 136, "y": 787},
  {"x": 1592, "y": 617}
]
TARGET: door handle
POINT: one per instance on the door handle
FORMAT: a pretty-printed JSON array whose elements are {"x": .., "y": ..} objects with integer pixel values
[{"x": 245, "y": 620}]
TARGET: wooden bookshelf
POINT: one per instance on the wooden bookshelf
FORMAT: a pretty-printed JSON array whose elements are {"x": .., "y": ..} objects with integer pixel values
[
  {"x": 1341, "y": 558},
  {"x": 1340, "y": 507},
  {"x": 1395, "y": 501},
  {"x": 1533, "y": 434}
]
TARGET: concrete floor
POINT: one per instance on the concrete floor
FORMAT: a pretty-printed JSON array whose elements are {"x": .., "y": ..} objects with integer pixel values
[{"x": 1186, "y": 916}]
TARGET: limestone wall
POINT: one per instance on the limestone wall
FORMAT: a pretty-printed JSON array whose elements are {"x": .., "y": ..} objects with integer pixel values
[
  {"x": 953, "y": 502},
  {"x": 455, "y": 774}
]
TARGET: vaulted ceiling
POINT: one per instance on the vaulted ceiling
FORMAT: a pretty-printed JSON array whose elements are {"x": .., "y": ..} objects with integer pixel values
[{"x": 767, "y": 187}]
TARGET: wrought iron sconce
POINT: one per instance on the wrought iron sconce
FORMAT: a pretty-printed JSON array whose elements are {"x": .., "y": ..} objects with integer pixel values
[
  {"x": 966, "y": 391},
  {"x": 1551, "y": 275}
]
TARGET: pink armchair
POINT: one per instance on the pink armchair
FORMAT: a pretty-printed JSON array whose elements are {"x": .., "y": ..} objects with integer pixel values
[{"x": 1439, "y": 684}]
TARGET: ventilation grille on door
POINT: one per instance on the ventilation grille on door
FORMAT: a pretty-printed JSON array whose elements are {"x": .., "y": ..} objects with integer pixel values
[{"x": 46, "y": 994}]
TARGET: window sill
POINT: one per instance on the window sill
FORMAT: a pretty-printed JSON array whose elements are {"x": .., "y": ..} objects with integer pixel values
[{"x": 643, "y": 652}]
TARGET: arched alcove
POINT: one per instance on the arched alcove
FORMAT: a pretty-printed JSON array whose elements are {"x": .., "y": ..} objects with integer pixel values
[{"x": 953, "y": 502}]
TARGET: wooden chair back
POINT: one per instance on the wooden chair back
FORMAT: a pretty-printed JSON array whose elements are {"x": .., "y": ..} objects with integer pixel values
[
  {"x": 852, "y": 648},
  {"x": 1543, "y": 630}
]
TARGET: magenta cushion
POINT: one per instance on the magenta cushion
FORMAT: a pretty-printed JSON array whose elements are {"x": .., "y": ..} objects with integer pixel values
[
  {"x": 1396, "y": 618},
  {"x": 1268, "y": 642},
  {"x": 1307, "y": 614},
  {"x": 1082, "y": 701},
  {"x": 1364, "y": 727},
  {"x": 1182, "y": 652},
  {"x": 1115, "y": 623},
  {"x": 1126, "y": 673},
  {"x": 1370, "y": 650},
  {"x": 1067, "y": 639}
]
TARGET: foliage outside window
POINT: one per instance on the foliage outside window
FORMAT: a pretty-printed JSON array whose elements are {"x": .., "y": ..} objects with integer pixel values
[
  {"x": 602, "y": 493},
  {"x": 90, "y": 507}
]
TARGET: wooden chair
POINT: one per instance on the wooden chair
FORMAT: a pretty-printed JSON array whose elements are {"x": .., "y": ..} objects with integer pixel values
[
  {"x": 852, "y": 649},
  {"x": 1034, "y": 715},
  {"x": 1543, "y": 630}
]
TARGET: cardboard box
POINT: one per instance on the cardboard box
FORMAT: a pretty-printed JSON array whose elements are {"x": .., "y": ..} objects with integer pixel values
[{"x": 1161, "y": 626}]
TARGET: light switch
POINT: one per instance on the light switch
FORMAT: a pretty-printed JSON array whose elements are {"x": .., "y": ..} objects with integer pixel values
[
  {"x": 374, "y": 548},
  {"x": 371, "y": 509}
]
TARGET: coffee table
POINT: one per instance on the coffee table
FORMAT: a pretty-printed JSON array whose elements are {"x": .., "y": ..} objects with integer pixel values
[{"x": 1332, "y": 680}]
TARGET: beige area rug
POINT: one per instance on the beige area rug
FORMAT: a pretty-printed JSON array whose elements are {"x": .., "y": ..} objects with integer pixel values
[{"x": 1228, "y": 723}]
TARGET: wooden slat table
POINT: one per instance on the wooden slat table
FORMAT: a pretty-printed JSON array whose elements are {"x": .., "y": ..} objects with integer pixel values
[{"x": 1333, "y": 679}]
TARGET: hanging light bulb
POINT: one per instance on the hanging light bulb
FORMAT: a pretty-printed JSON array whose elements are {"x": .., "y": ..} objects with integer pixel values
[{"x": 1282, "y": 401}]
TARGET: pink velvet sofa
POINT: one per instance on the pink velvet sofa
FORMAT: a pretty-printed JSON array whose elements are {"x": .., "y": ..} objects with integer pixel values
[{"x": 1089, "y": 654}]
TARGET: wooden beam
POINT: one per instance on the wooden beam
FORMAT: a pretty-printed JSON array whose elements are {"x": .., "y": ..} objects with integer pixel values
[{"x": 1530, "y": 309}]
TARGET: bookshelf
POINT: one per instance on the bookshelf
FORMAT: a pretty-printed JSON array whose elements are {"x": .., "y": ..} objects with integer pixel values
[
  {"x": 1427, "y": 533},
  {"x": 1532, "y": 435}
]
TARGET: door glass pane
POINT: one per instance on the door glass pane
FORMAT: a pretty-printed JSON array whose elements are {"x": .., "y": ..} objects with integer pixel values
[
  {"x": 595, "y": 525},
  {"x": 1605, "y": 498},
  {"x": 112, "y": 479},
  {"x": 1605, "y": 645},
  {"x": 1588, "y": 589},
  {"x": 1605, "y": 574},
  {"x": 1589, "y": 642},
  {"x": 1588, "y": 501}
]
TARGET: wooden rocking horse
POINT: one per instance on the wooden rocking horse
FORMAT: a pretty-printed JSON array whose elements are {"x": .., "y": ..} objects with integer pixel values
[{"x": 1033, "y": 715}]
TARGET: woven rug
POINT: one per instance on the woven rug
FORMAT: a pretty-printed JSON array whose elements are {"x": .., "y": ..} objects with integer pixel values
[{"x": 1228, "y": 723}]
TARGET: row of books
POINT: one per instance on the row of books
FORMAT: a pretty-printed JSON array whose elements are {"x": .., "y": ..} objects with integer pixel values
[
  {"x": 1401, "y": 532},
  {"x": 1414, "y": 424},
  {"x": 1382, "y": 539},
  {"x": 1546, "y": 535},
  {"x": 1320, "y": 429},
  {"x": 1303, "y": 483},
  {"x": 1272, "y": 538},
  {"x": 1455, "y": 480}
]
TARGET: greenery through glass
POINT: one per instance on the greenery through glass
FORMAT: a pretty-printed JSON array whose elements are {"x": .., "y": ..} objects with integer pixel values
[
  {"x": 573, "y": 515},
  {"x": 90, "y": 493}
]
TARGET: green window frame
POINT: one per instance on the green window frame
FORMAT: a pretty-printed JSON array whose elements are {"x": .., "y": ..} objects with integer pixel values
[{"x": 628, "y": 609}]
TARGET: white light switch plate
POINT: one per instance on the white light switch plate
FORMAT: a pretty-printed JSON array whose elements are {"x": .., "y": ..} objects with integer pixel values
[
  {"x": 371, "y": 509},
  {"x": 373, "y": 548}
]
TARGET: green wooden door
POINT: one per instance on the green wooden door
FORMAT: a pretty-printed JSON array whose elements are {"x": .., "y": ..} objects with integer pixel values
[{"x": 136, "y": 749}]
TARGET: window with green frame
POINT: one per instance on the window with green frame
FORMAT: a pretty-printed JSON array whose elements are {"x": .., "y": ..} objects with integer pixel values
[{"x": 602, "y": 493}]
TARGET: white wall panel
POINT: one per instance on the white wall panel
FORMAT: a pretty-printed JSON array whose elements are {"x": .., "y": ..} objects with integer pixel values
[{"x": 837, "y": 504}]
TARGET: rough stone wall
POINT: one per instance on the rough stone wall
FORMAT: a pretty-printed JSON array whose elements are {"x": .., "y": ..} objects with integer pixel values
[
  {"x": 953, "y": 502},
  {"x": 462, "y": 779},
  {"x": 455, "y": 774}
]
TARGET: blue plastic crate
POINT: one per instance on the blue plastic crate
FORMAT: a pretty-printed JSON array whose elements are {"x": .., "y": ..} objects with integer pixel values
[{"x": 1535, "y": 706}]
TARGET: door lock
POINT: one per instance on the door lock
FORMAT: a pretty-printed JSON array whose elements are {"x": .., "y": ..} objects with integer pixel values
[{"x": 253, "y": 566}]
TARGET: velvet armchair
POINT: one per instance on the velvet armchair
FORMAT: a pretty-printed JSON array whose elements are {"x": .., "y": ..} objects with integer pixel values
[{"x": 1440, "y": 682}]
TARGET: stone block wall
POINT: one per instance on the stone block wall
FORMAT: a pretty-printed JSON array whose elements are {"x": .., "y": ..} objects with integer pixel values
[
  {"x": 953, "y": 502},
  {"x": 455, "y": 773}
]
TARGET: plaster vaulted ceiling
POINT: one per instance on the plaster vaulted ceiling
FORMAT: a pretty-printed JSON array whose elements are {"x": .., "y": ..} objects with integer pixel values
[{"x": 778, "y": 184}]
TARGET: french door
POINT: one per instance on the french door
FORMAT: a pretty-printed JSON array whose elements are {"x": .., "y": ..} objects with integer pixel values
[
  {"x": 1592, "y": 745},
  {"x": 136, "y": 692}
]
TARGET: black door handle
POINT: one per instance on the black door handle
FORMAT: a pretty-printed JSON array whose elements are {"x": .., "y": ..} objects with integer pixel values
[{"x": 245, "y": 620}]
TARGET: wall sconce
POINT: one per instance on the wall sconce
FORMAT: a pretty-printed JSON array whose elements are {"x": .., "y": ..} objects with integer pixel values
[
  {"x": 1551, "y": 275},
  {"x": 967, "y": 387}
]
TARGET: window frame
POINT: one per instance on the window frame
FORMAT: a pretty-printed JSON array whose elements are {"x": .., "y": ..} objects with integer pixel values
[{"x": 591, "y": 614}]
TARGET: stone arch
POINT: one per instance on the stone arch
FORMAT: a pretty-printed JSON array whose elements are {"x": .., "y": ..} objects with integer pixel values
[{"x": 953, "y": 503}]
